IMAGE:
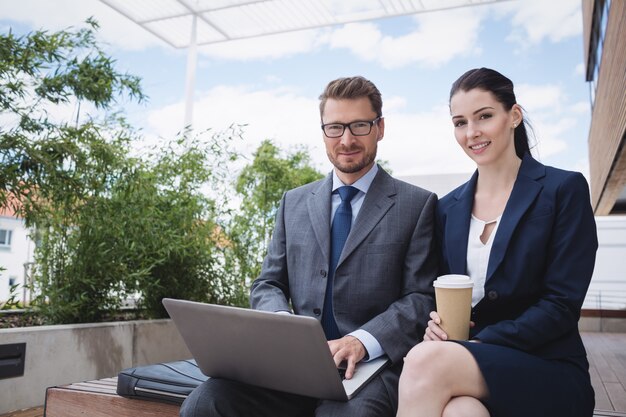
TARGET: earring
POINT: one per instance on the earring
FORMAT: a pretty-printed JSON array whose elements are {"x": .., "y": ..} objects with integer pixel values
[{"x": 514, "y": 125}]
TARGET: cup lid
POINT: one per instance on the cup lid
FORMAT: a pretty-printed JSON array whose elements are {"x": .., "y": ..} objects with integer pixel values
[{"x": 453, "y": 281}]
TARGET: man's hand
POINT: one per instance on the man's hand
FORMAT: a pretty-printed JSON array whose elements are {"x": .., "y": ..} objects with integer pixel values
[{"x": 349, "y": 349}]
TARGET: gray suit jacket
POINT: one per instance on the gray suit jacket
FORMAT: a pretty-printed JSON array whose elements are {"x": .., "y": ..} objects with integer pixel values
[{"x": 383, "y": 281}]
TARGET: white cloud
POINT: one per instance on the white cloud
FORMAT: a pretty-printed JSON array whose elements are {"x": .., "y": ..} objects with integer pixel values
[
  {"x": 266, "y": 47},
  {"x": 582, "y": 165},
  {"x": 394, "y": 104},
  {"x": 279, "y": 114},
  {"x": 538, "y": 98},
  {"x": 422, "y": 143},
  {"x": 273, "y": 79},
  {"x": 581, "y": 108},
  {"x": 536, "y": 20},
  {"x": 439, "y": 38},
  {"x": 549, "y": 135},
  {"x": 414, "y": 143},
  {"x": 115, "y": 29},
  {"x": 552, "y": 117}
]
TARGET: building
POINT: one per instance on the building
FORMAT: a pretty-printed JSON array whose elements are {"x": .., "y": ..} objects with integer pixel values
[
  {"x": 604, "y": 31},
  {"x": 16, "y": 254},
  {"x": 440, "y": 184}
]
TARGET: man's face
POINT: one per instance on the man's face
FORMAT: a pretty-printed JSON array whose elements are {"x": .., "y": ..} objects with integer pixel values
[{"x": 352, "y": 155}]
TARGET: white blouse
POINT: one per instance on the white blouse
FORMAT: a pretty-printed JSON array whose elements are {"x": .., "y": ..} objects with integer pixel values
[{"x": 478, "y": 255}]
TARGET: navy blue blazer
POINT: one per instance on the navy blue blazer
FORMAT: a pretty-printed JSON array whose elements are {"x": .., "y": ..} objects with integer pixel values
[{"x": 540, "y": 264}]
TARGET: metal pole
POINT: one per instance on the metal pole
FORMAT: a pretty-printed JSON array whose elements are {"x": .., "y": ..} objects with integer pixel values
[{"x": 192, "y": 58}]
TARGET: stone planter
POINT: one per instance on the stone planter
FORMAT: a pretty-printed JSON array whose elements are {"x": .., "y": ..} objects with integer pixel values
[{"x": 62, "y": 354}]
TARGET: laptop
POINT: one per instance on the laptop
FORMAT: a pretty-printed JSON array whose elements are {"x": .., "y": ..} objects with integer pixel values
[{"x": 283, "y": 352}]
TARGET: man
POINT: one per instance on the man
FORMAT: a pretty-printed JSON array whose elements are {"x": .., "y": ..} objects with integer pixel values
[{"x": 372, "y": 293}]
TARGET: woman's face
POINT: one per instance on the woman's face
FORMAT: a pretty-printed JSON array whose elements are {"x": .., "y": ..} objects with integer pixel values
[{"x": 483, "y": 127}]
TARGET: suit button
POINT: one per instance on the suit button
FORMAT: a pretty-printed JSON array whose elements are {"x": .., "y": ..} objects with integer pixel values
[
  {"x": 493, "y": 295},
  {"x": 317, "y": 311},
  {"x": 323, "y": 273}
]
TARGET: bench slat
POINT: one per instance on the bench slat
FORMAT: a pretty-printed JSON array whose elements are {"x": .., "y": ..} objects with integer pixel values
[
  {"x": 69, "y": 402},
  {"x": 86, "y": 386}
]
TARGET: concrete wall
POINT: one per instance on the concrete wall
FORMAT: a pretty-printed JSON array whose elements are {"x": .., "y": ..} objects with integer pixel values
[
  {"x": 608, "y": 284},
  {"x": 58, "y": 355},
  {"x": 602, "y": 324}
]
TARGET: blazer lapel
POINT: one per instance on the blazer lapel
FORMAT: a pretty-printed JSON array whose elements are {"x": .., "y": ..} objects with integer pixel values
[
  {"x": 378, "y": 200},
  {"x": 524, "y": 192},
  {"x": 319, "y": 212},
  {"x": 457, "y": 226}
]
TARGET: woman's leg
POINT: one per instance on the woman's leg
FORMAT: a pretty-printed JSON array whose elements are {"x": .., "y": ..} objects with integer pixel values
[
  {"x": 465, "y": 407},
  {"x": 433, "y": 374}
]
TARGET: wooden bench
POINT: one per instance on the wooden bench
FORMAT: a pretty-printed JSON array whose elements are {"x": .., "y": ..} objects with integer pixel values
[{"x": 99, "y": 399}]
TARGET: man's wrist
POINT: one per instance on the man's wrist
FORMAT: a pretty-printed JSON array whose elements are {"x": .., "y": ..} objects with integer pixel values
[{"x": 372, "y": 348}]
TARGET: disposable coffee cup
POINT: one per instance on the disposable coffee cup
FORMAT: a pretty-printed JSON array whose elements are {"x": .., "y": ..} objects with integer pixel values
[{"x": 453, "y": 294}]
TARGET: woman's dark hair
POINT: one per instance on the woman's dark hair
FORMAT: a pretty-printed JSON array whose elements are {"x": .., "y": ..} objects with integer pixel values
[{"x": 502, "y": 89}]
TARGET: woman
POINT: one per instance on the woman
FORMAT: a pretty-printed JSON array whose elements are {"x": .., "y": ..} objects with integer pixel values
[{"x": 526, "y": 234}]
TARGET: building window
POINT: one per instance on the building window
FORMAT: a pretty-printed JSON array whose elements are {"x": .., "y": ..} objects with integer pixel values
[
  {"x": 601, "y": 17},
  {"x": 5, "y": 238}
]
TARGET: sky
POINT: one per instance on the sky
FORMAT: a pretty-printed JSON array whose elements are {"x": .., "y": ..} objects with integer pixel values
[{"x": 271, "y": 84}]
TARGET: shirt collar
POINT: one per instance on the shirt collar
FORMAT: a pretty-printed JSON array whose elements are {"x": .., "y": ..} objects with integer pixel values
[{"x": 362, "y": 184}]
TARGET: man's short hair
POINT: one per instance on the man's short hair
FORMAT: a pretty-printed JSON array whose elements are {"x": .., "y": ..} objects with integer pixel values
[{"x": 350, "y": 88}]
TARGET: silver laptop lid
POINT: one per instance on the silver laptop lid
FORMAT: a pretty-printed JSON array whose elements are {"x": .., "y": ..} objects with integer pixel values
[{"x": 278, "y": 351}]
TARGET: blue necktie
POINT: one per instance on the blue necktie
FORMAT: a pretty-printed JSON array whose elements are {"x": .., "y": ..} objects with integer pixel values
[{"x": 338, "y": 235}]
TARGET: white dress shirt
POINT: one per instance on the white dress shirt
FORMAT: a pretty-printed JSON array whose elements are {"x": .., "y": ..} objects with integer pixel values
[{"x": 478, "y": 255}]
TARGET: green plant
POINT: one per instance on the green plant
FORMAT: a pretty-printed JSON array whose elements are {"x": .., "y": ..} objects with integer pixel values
[
  {"x": 260, "y": 186},
  {"x": 154, "y": 233},
  {"x": 13, "y": 301}
]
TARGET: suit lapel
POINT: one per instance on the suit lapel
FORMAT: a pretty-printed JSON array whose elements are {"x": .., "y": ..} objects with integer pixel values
[
  {"x": 319, "y": 212},
  {"x": 457, "y": 226},
  {"x": 378, "y": 200},
  {"x": 524, "y": 192}
]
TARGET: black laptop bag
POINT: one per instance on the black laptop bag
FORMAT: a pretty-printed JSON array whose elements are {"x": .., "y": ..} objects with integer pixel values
[{"x": 168, "y": 382}]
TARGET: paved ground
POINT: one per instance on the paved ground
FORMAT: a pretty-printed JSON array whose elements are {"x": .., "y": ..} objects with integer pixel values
[{"x": 607, "y": 360}]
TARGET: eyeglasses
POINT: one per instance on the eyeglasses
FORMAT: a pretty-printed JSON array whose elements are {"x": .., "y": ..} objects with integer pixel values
[{"x": 358, "y": 128}]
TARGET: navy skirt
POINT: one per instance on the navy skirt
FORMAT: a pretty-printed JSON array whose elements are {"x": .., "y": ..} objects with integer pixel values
[{"x": 521, "y": 384}]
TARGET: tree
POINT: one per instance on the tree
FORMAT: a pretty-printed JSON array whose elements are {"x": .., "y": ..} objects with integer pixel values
[
  {"x": 38, "y": 72},
  {"x": 260, "y": 186},
  {"x": 51, "y": 168},
  {"x": 109, "y": 225}
]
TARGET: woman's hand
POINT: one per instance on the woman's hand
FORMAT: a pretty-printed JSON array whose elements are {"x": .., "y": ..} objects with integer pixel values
[{"x": 433, "y": 331}]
